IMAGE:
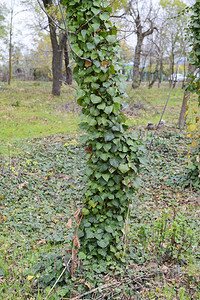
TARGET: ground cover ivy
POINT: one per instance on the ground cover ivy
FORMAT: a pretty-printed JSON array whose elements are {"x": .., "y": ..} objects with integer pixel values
[{"x": 114, "y": 157}]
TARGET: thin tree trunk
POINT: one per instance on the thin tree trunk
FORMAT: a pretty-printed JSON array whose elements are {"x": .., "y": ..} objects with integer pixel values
[
  {"x": 136, "y": 65},
  {"x": 67, "y": 68},
  {"x": 161, "y": 71},
  {"x": 155, "y": 75},
  {"x": 10, "y": 45},
  {"x": 186, "y": 98},
  {"x": 56, "y": 62},
  {"x": 183, "y": 82}
]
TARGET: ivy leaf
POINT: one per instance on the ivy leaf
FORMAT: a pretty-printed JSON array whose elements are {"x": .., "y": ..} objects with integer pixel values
[
  {"x": 95, "y": 99},
  {"x": 106, "y": 177},
  {"x": 114, "y": 162},
  {"x": 79, "y": 93},
  {"x": 96, "y": 26},
  {"x": 84, "y": 32},
  {"x": 111, "y": 38},
  {"x": 105, "y": 16},
  {"x": 111, "y": 91},
  {"x": 103, "y": 243},
  {"x": 101, "y": 106},
  {"x": 108, "y": 109},
  {"x": 123, "y": 168},
  {"x": 77, "y": 50},
  {"x": 108, "y": 136},
  {"x": 82, "y": 255},
  {"x": 90, "y": 46}
]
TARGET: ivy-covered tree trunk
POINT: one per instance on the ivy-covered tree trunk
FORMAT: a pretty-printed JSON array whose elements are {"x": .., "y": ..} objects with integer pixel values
[{"x": 113, "y": 156}]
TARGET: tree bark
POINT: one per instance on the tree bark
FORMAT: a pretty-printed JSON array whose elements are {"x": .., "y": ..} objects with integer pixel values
[
  {"x": 155, "y": 75},
  {"x": 59, "y": 47},
  {"x": 10, "y": 46},
  {"x": 68, "y": 70},
  {"x": 140, "y": 37},
  {"x": 186, "y": 98},
  {"x": 136, "y": 65}
]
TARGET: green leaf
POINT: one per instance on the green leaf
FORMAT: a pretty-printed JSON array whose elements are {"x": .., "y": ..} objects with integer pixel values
[
  {"x": 111, "y": 38},
  {"x": 84, "y": 32},
  {"x": 95, "y": 99},
  {"x": 91, "y": 121},
  {"x": 101, "y": 106},
  {"x": 92, "y": 204},
  {"x": 90, "y": 46},
  {"x": 97, "y": 63},
  {"x": 79, "y": 93},
  {"x": 123, "y": 168},
  {"x": 109, "y": 229},
  {"x": 85, "y": 211},
  {"x": 103, "y": 243},
  {"x": 81, "y": 255},
  {"x": 95, "y": 26},
  {"x": 108, "y": 109},
  {"x": 77, "y": 50},
  {"x": 105, "y": 16},
  {"x": 106, "y": 177},
  {"x": 114, "y": 162},
  {"x": 107, "y": 147},
  {"x": 112, "y": 91},
  {"x": 108, "y": 136}
]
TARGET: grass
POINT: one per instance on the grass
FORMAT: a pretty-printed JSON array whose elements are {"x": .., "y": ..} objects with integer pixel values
[
  {"x": 28, "y": 110},
  {"x": 41, "y": 187},
  {"x": 153, "y": 101}
]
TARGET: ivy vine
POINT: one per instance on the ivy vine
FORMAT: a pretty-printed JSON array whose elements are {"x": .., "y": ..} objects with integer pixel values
[
  {"x": 114, "y": 157},
  {"x": 194, "y": 87}
]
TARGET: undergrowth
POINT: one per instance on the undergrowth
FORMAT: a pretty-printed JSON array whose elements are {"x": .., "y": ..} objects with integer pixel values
[{"x": 41, "y": 190}]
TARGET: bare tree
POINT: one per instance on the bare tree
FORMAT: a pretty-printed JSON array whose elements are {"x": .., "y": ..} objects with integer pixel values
[
  {"x": 59, "y": 47},
  {"x": 142, "y": 16}
]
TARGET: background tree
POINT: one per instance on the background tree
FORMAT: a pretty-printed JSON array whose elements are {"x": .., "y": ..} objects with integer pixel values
[
  {"x": 58, "y": 42},
  {"x": 174, "y": 23},
  {"x": 142, "y": 17}
]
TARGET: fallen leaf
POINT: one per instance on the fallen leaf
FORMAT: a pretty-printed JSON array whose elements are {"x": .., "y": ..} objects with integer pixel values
[
  {"x": 69, "y": 223},
  {"x": 88, "y": 285},
  {"x": 30, "y": 277},
  {"x": 76, "y": 242},
  {"x": 21, "y": 185},
  {"x": 104, "y": 64},
  {"x": 192, "y": 127},
  {"x": 88, "y": 63},
  {"x": 41, "y": 242},
  {"x": 77, "y": 215}
]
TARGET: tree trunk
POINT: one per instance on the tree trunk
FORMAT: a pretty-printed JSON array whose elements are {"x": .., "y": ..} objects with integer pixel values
[
  {"x": 136, "y": 65},
  {"x": 68, "y": 70},
  {"x": 183, "y": 82},
  {"x": 58, "y": 42},
  {"x": 10, "y": 46},
  {"x": 155, "y": 75},
  {"x": 56, "y": 62},
  {"x": 161, "y": 71},
  {"x": 186, "y": 98}
]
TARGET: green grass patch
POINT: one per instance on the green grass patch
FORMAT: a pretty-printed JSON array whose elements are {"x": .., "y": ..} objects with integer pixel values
[{"x": 28, "y": 110}]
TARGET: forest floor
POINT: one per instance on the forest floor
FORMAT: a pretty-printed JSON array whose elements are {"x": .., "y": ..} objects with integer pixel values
[{"x": 42, "y": 183}]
